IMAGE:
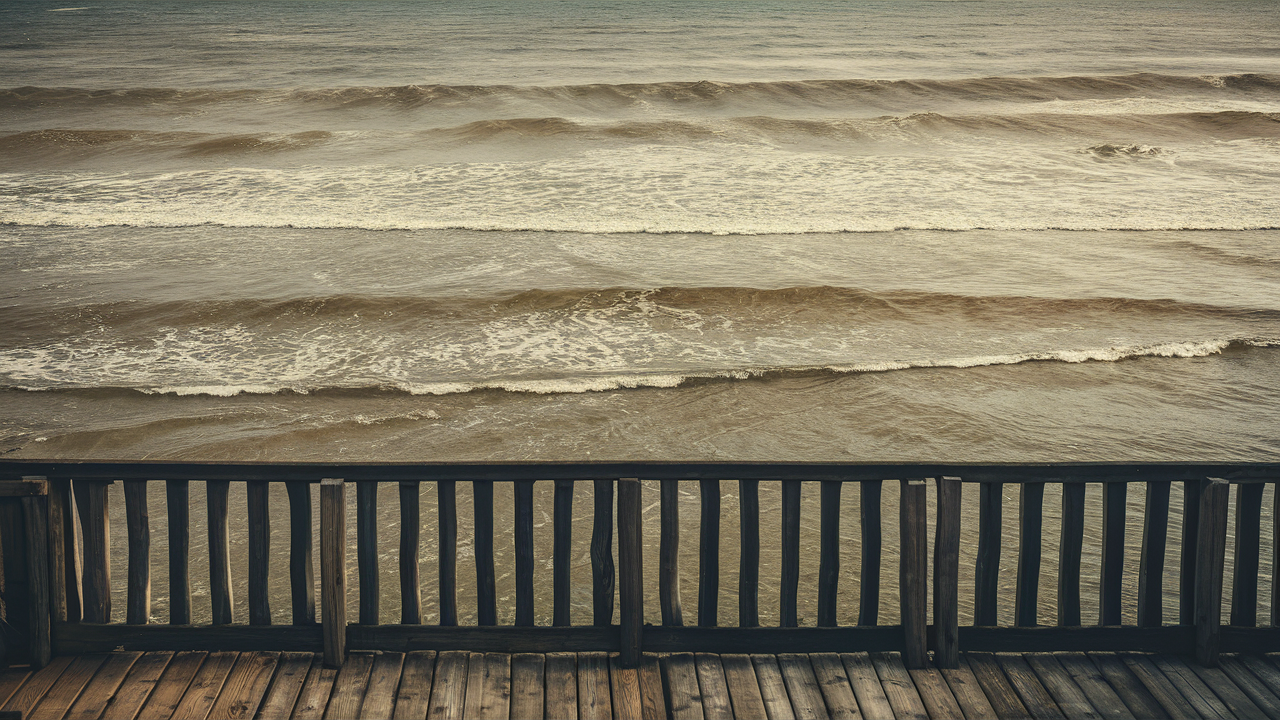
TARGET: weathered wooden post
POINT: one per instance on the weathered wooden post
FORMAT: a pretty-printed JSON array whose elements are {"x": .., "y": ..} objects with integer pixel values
[
  {"x": 138, "y": 520},
  {"x": 1155, "y": 531},
  {"x": 220, "y": 592},
  {"x": 367, "y": 551},
  {"x": 913, "y": 581},
  {"x": 333, "y": 570},
  {"x": 946, "y": 575},
  {"x": 602, "y": 570},
  {"x": 986, "y": 584},
  {"x": 95, "y": 523},
  {"x": 669, "y": 553},
  {"x": 1211, "y": 548},
  {"x": 1030, "y": 528},
  {"x": 178, "y": 508},
  {"x": 631, "y": 571},
  {"x": 302, "y": 578},
  {"x": 35, "y": 512},
  {"x": 1070, "y": 550}
]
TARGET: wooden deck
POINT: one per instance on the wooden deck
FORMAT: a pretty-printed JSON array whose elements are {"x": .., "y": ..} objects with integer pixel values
[{"x": 457, "y": 684}]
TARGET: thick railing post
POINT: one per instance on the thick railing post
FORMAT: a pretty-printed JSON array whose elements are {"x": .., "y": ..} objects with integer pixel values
[
  {"x": 1070, "y": 548},
  {"x": 60, "y": 542},
  {"x": 946, "y": 575},
  {"x": 333, "y": 570},
  {"x": 138, "y": 521},
  {"x": 302, "y": 578},
  {"x": 1244, "y": 590},
  {"x": 1155, "y": 531},
  {"x": 221, "y": 596},
  {"x": 367, "y": 552},
  {"x": 669, "y": 553},
  {"x": 1030, "y": 526},
  {"x": 602, "y": 571},
  {"x": 1211, "y": 548},
  {"x": 987, "y": 572},
  {"x": 35, "y": 511},
  {"x": 631, "y": 575},
  {"x": 95, "y": 523},
  {"x": 912, "y": 579}
]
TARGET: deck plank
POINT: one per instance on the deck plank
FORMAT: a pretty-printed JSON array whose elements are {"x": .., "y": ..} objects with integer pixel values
[
  {"x": 935, "y": 694},
  {"x": 527, "y": 694},
  {"x": 1159, "y": 686},
  {"x": 625, "y": 686},
  {"x": 593, "y": 686},
  {"x": 1035, "y": 697},
  {"x": 36, "y": 685},
  {"x": 10, "y": 680},
  {"x": 246, "y": 686},
  {"x": 1251, "y": 684},
  {"x": 834, "y": 685},
  {"x": 137, "y": 686},
  {"x": 384, "y": 681},
  {"x": 1134, "y": 694},
  {"x": 865, "y": 682},
  {"x": 1236, "y": 700},
  {"x": 968, "y": 693},
  {"x": 898, "y": 687},
  {"x": 1192, "y": 688},
  {"x": 773, "y": 689},
  {"x": 684, "y": 698},
  {"x": 291, "y": 673},
  {"x": 349, "y": 687},
  {"x": 653, "y": 702},
  {"x": 1004, "y": 699},
  {"x": 314, "y": 696},
  {"x": 802, "y": 686},
  {"x": 63, "y": 694},
  {"x": 205, "y": 687},
  {"x": 495, "y": 700},
  {"x": 449, "y": 689},
  {"x": 172, "y": 685},
  {"x": 475, "y": 685},
  {"x": 744, "y": 689},
  {"x": 1267, "y": 672},
  {"x": 562, "y": 686},
  {"x": 1071, "y": 700},
  {"x": 1105, "y": 701},
  {"x": 413, "y": 696},
  {"x": 714, "y": 687},
  {"x": 97, "y": 694}
]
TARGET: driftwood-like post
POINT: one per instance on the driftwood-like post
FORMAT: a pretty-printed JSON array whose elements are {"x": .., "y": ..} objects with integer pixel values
[
  {"x": 35, "y": 511},
  {"x": 410, "y": 581},
  {"x": 669, "y": 553},
  {"x": 869, "y": 595},
  {"x": 91, "y": 500},
  {"x": 367, "y": 551},
  {"x": 257, "y": 502},
  {"x": 749, "y": 554},
  {"x": 987, "y": 581},
  {"x": 138, "y": 520},
  {"x": 1115, "y": 495},
  {"x": 333, "y": 570},
  {"x": 1155, "y": 536},
  {"x": 709, "y": 553},
  {"x": 912, "y": 579},
  {"x": 1070, "y": 549},
  {"x": 1244, "y": 593},
  {"x": 561, "y": 547},
  {"x": 59, "y": 543},
  {"x": 828, "y": 552},
  {"x": 602, "y": 570},
  {"x": 302, "y": 578},
  {"x": 178, "y": 506},
  {"x": 1030, "y": 525},
  {"x": 220, "y": 592},
  {"x": 1211, "y": 548},
  {"x": 631, "y": 575},
  {"x": 946, "y": 575}
]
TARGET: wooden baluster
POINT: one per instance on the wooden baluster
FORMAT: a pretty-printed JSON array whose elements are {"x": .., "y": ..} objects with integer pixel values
[
  {"x": 178, "y": 507},
  {"x": 709, "y": 553},
  {"x": 669, "y": 553},
  {"x": 410, "y": 543},
  {"x": 367, "y": 551},
  {"x": 447, "y": 504},
  {"x": 220, "y": 593},
  {"x": 789, "y": 586},
  {"x": 631, "y": 576},
  {"x": 749, "y": 555},
  {"x": 1070, "y": 546},
  {"x": 333, "y": 570},
  {"x": 1244, "y": 592},
  {"x": 1030, "y": 523},
  {"x": 91, "y": 498},
  {"x": 524, "y": 552},
  {"x": 829, "y": 552},
  {"x": 60, "y": 540},
  {"x": 35, "y": 512},
  {"x": 1211, "y": 548},
  {"x": 1191, "y": 491},
  {"x": 987, "y": 581},
  {"x": 1275, "y": 555},
  {"x": 257, "y": 494},
  {"x": 302, "y": 579},
  {"x": 869, "y": 592},
  {"x": 1155, "y": 535},
  {"x": 138, "y": 520},
  {"x": 912, "y": 576},
  {"x": 561, "y": 546},
  {"x": 946, "y": 574},
  {"x": 602, "y": 571},
  {"x": 1113, "y": 512},
  {"x": 486, "y": 587}
]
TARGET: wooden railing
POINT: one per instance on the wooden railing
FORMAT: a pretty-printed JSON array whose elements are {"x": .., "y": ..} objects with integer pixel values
[{"x": 79, "y": 596}]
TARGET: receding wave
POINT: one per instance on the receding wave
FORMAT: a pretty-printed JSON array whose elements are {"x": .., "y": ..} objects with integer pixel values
[{"x": 813, "y": 92}]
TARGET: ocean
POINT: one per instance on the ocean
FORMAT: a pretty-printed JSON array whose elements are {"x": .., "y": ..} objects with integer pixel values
[{"x": 865, "y": 230}]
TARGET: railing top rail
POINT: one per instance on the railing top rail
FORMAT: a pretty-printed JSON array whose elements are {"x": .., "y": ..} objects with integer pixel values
[{"x": 661, "y": 470}]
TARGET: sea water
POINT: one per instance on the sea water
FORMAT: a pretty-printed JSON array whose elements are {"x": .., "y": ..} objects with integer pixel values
[{"x": 578, "y": 230}]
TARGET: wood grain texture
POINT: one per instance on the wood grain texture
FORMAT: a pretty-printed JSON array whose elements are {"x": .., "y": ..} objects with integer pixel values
[
  {"x": 1191, "y": 490},
  {"x": 333, "y": 570},
  {"x": 869, "y": 591},
  {"x": 350, "y": 686},
  {"x": 1240, "y": 670},
  {"x": 669, "y": 553},
  {"x": 789, "y": 585},
  {"x": 410, "y": 547},
  {"x": 1030, "y": 524},
  {"x": 59, "y": 698},
  {"x": 302, "y": 578},
  {"x": 709, "y": 553},
  {"x": 524, "y": 552},
  {"x": 624, "y": 684},
  {"x": 1135, "y": 695},
  {"x": 259, "y": 515},
  {"x": 935, "y": 693},
  {"x": 946, "y": 575},
  {"x": 64, "y": 552},
  {"x": 1002, "y": 695},
  {"x": 314, "y": 696},
  {"x": 868, "y": 690},
  {"x": 1033, "y": 694},
  {"x": 96, "y": 696},
  {"x": 1155, "y": 534},
  {"x": 561, "y": 546},
  {"x": 602, "y": 570},
  {"x": 594, "y": 702},
  {"x": 527, "y": 685},
  {"x": 653, "y": 702},
  {"x": 744, "y": 689},
  {"x": 220, "y": 591},
  {"x": 1115, "y": 495},
  {"x": 1070, "y": 548},
  {"x": 1191, "y": 687},
  {"x": 246, "y": 686},
  {"x": 968, "y": 693},
  {"x": 834, "y": 684},
  {"x": 748, "y": 553},
  {"x": 987, "y": 574},
  {"x": 1244, "y": 588},
  {"x": 1237, "y": 701},
  {"x": 1211, "y": 548},
  {"x": 1106, "y": 702},
  {"x": 138, "y": 522},
  {"x": 913, "y": 576},
  {"x": 137, "y": 687},
  {"x": 384, "y": 680},
  {"x": 95, "y": 523},
  {"x": 716, "y": 704},
  {"x": 449, "y": 691},
  {"x": 684, "y": 698},
  {"x": 205, "y": 687},
  {"x": 632, "y": 572},
  {"x": 368, "y": 585},
  {"x": 447, "y": 557},
  {"x": 35, "y": 511},
  {"x": 1070, "y": 699},
  {"x": 898, "y": 687},
  {"x": 413, "y": 696},
  {"x": 773, "y": 689},
  {"x": 286, "y": 685},
  {"x": 828, "y": 552},
  {"x": 486, "y": 584},
  {"x": 1158, "y": 686},
  {"x": 36, "y": 685},
  {"x": 802, "y": 686},
  {"x": 562, "y": 686}
]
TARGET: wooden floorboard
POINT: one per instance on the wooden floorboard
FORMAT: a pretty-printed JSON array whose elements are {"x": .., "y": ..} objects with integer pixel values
[{"x": 193, "y": 685}]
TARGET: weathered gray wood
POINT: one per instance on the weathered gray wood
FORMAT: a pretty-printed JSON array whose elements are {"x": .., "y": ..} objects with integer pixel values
[
  {"x": 449, "y": 691},
  {"x": 602, "y": 570},
  {"x": 1030, "y": 523},
  {"x": 716, "y": 704},
  {"x": 624, "y": 684},
  {"x": 946, "y": 575},
  {"x": 302, "y": 578},
  {"x": 1031, "y": 691},
  {"x": 486, "y": 585},
  {"x": 1071, "y": 700},
  {"x": 968, "y": 692},
  {"x": 315, "y": 692},
  {"x": 1253, "y": 687},
  {"x": 773, "y": 689},
  {"x": 1191, "y": 490},
  {"x": 66, "y": 559},
  {"x": 1136, "y": 696},
  {"x": 789, "y": 585},
  {"x": 653, "y": 702},
  {"x": 869, "y": 590},
  {"x": 91, "y": 499},
  {"x": 523, "y": 495},
  {"x": 245, "y": 686},
  {"x": 1236, "y": 700},
  {"x": 562, "y": 686},
  {"x": 410, "y": 545},
  {"x": 1113, "y": 512},
  {"x": 1211, "y": 546},
  {"x": 1267, "y": 672},
  {"x": 259, "y": 552},
  {"x": 447, "y": 557},
  {"x": 1070, "y": 546},
  {"x": 749, "y": 553},
  {"x": 684, "y": 698},
  {"x": 834, "y": 684},
  {"x": 1192, "y": 689},
  {"x": 384, "y": 679},
  {"x": 286, "y": 685},
  {"x": 413, "y": 696},
  {"x": 593, "y": 687},
  {"x": 220, "y": 591},
  {"x": 913, "y": 576},
  {"x": 898, "y": 687},
  {"x": 527, "y": 685},
  {"x": 669, "y": 553},
  {"x": 829, "y": 552},
  {"x": 868, "y": 690},
  {"x": 561, "y": 546},
  {"x": 987, "y": 580},
  {"x": 935, "y": 694},
  {"x": 744, "y": 689},
  {"x": 631, "y": 582},
  {"x": 1155, "y": 533},
  {"x": 1004, "y": 699},
  {"x": 802, "y": 686},
  {"x": 349, "y": 688},
  {"x": 333, "y": 570},
  {"x": 35, "y": 510},
  {"x": 178, "y": 508},
  {"x": 709, "y": 553},
  {"x": 367, "y": 552},
  {"x": 1244, "y": 590},
  {"x": 59, "y": 500},
  {"x": 203, "y": 691}
]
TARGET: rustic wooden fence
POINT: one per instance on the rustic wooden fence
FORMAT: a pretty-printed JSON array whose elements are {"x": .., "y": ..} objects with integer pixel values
[{"x": 76, "y": 598}]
